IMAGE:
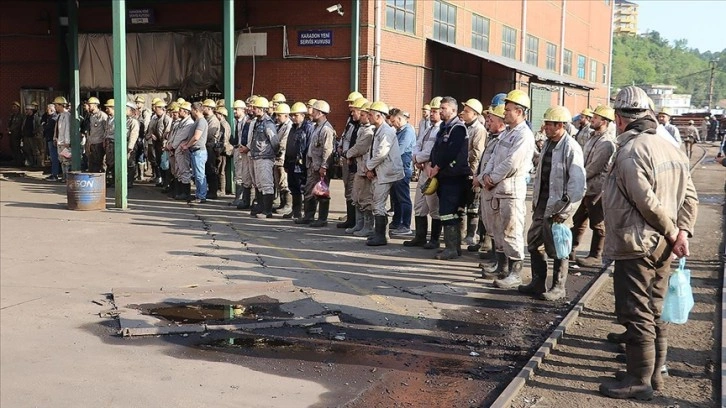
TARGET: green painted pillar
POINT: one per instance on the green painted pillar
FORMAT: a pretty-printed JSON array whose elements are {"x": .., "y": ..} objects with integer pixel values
[
  {"x": 74, "y": 91},
  {"x": 230, "y": 55},
  {"x": 120, "y": 98},
  {"x": 354, "y": 45}
]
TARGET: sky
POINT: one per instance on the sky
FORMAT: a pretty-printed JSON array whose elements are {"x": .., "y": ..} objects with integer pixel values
[{"x": 701, "y": 22}]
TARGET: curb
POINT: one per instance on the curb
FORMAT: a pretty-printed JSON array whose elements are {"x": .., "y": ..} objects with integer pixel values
[{"x": 510, "y": 393}]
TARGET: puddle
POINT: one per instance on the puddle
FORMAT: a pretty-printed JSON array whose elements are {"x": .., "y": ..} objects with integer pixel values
[{"x": 216, "y": 310}]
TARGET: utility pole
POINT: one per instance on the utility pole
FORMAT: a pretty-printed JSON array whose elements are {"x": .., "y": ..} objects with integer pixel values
[{"x": 710, "y": 87}]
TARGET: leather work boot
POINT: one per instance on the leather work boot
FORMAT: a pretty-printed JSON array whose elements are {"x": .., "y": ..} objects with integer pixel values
[
  {"x": 435, "y": 235},
  {"x": 636, "y": 382},
  {"x": 538, "y": 285},
  {"x": 323, "y": 210},
  {"x": 559, "y": 279},
  {"x": 422, "y": 227},
  {"x": 594, "y": 258},
  {"x": 514, "y": 275},
  {"x": 349, "y": 217},
  {"x": 498, "y": 270},
  {"x": 296, "y": 211},
  {"x": 452, "y": 238},
  {"x": 310, "y": 206},
  {"x": 358, "y": 222},
  {"x": 379, "y": 237}
]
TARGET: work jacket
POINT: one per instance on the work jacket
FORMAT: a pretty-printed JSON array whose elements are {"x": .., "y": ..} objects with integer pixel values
[
  {"x": 297, "y": 147},
  {"x": 598, "y": 153},
  {"x": 477, "y": 139},
  {"x": 511, "y": 162},
  {"x": 450, "y": 151},
  {"x": 385, "y": 158},
  {"x": 567, "y": 178},
  {"x": 362, "y": 147},
  {"x": 425, "y": 143},
  {"x": 283, "y": 131},
  {"x": 263, "y": 142},
  {"x": 320, "y": 152}
]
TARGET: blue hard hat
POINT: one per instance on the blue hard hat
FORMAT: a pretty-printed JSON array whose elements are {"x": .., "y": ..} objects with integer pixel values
[{"x": 498, "y": 99}]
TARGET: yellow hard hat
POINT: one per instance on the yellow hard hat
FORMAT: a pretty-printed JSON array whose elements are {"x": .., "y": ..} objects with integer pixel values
[
  {"x": 139, "y": 99},
  {"x": 665, "y": 111},
  {"x": 605, "y": 112},
  {"x": 366, "y": 107},
  {"x": 497, "y": 111},
  {"x": 426, "y": 107},
  {"x": 436, "y": 103},
  {"x": 312, "y": 102},
  {"x": 209, "y": 103},
  {"x": 222, "y": 110},
  {"x": 322, "y": 106},
  {"x": 430, "y": 186},
  {"x": 380, "y": 107},
  {"x": 586, "y": 112},
  {"x": 239, "y": 104},
  {"x": 353, "y": 96},
  {"x": 16, "y": 103},
  {"x": 94, "y": 100},
  {"x": 282, "y": 109},
  {"x": 60, "y": 100},
  {"x": 358, "y": 103},
  {"x": 160, "y": 104},
  {"x": 174, "y": 107},
  {"x": 180, "y": 100},
  {"x": 278, "y": 97},
  {"x": 251, "y": 100},
  {"x": 475, "y": 105},
  {"x": 558, "y": 114},
  {"x": 154, "y": 101},
  {"x": 519, "y": 97},
  {"x": 220, "y": 103},
  {"x": 109, "y": 103},
  {"x": 34, "y": 103},
  {"x": 298, "y": 107},
  {"x": 261, "y": 102},
  {"x": 186, "y": 106}
]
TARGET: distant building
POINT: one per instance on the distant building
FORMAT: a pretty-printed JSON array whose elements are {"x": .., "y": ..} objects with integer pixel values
[
  {"x": 625, "y": 18},
  {"x": 663, "y": 96}
]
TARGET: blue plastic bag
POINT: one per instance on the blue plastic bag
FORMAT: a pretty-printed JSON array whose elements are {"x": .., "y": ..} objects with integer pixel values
[
  {"x": 164, "y": 160},
  {"x": 679, "y": 297},
  {"x": 562, "y": 237}
]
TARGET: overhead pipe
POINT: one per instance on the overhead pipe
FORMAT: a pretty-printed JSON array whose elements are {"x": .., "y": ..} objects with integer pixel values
[
  {"x": 354, "y": 45},
  {"x": 377, "y": 53}
]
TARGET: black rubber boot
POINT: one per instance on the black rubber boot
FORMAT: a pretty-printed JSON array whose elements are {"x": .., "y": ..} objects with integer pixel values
[
  {"x": 452, "y": 237},
  {"x": 472, "y": 223},
  {"x": 538, "y": 285},
  {"x": 498, "y": 270},
  {"x": 379, "y": 237},
  {"x": 636, "y": 383},
  {"x": 559, "y": 279},
  {"x": 514, "y": 275},
  {"x": 256, "y": 204},
  {"x": 184, "y": 192},
  {"x": 237, "y": 194},
  {"x": 245, "y": 202},
  {"x": 310, "y": 206},
  {"x": 266, "y": 206},
  {"x": 323, "y": 209},
  {"x": 594, "y": 258},
  {"x": 296, "y": 207},
  {"x": 435, "y": 235},
  {"x": 349, "y": 217},
  {"x": 422, "y": 226}
]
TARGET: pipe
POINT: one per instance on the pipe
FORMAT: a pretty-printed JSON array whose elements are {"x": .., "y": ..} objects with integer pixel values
[
  {"x": 377, "y": 53},
  {"x": 523, "y": 50},
  {"x": 120, "y": 96},
  {"x": 75, "y": 95},
  {"x": 562, "y": 49},
  {"x": 610, "y": 54},
  {"x": 354, "y": 45}
]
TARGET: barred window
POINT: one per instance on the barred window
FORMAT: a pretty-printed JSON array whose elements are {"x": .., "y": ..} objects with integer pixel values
[
  {"x": 551, "y": 57},
  {"x": 444, "y": 22},
  {"x": 509, "y": 42},
  {"x": 479, "y": 33},
  {"x": 400, "y": 15}
]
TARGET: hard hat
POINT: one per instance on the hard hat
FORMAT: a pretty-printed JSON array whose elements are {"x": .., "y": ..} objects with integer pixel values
[
  {"x": 586, "y": 112},
  {"x": 665, "y": 111},
  {"x": 16, "y": 103},
  {"x": 632, "y": 98},
  {"x": 519, "y": 97},
  {"x": 498, "y": 99},
  {"x": 94, "y": 100},
  {"x": 186, "y": 106},
  {"x": 261, "y": 102},
  {"x": 139, "y": 99},
  {"x": 380, "y": 107},
  {"x": 130, "y": 105},
  {"x": 426, "y": 107},
  {"x": 180, "y": 100},
  {"x": 436, "y": 103},
  {"x": 322, "y": 106},
  {"x": 430, "y": 186},
  {"x": 155, "y": 100},
  {"x": 298, "y": 107},
  {"x": 353, "y": 96},
  {"x": 251, "y": 100},
  {"x": 34, "y": 103},
  {"x": 29, "y": 107},
  {"x": 209, "y": 103},
  {"x": 558, "y": 114},
  {"x": 311, "y": 102},
  {"x": 220, "y": 103},
  {"x": 358, "y": 103},
  {"x": 690, "y": 122},
  {"x": 109, "y": 103},
  {"x": 497, "y": 111},
  {"x": 174, "y": 107},
  {"x": 160, "y": 104},
  {"x": 605, "y": 112},
  {"x": 278, "y": 97},
  {"x": 366, "y": 107},
  {"x": 60, "y": 100},
  {"x": 222, "y": 110},
  {"x": 475, "y": 105},
  {"x": 239, "y": 104},
  {"x": 282, "y": 109}
]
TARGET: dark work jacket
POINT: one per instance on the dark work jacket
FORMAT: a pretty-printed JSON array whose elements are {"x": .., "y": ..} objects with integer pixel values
[
  {"x": 296, "y": 149},
  {"x": 451, "y": 151},
  {"x": 48, "y": 122}
]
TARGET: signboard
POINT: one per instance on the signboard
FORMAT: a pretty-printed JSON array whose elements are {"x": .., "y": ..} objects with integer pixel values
[
  {"x": 315, "y": 38},
  {"x": 141, "y": 16}
]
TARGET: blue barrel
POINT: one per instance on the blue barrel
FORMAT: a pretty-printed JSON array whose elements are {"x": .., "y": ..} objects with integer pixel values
[{"x": 86, "y": 191}]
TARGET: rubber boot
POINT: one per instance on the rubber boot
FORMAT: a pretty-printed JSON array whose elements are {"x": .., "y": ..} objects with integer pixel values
[
  {"x": 379, "y": 236},
  {"x": 499, "y": 270},
  {"x": 636, "y": 383},
  {"x": 323, "y": 209},
  {"x": 368, "y": 225},
  {"x": 538, "y": 285},
  {"x": 310, "y": 206},
  {"x": 184, "y": 192},
  {"x": 358, "y": 222},
  {"x": 237, "y": 195},
  {"x": 435, "y": 235},
  {"x": 157, "y": 177},
  {"x": 559, "y": 279},
  {"x": 422, "y": 228},
  {"x": 471, "y": 227},
  {"x": 173, "y": 189},
  {"x": 452, "y": 237},
  {"x": 659, "y": 369},
  {"x": 514, "y": 275},
  {"x": 487, "y": 248},
  {"x": 296, "y": 207},
  {"x": 266, "y": 206},
  {"x": 284, "y": 206},
  {"x": 245, "y": 202},
  {"x": 349, "y": 217},
  {"x": 594, "y": 258},
  {"x": 479, "y": 246},
  {"x": 257, "y": 204}
]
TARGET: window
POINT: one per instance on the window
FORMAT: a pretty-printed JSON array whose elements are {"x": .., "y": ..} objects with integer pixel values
[
  {"x": 532, "y": 50},
  {"x": 567, "y": 63},
  {"x": 509, "y": 42},
  {"x": 604, "y": 74},
  {"x": 551, "y": 57},
  {"x": 400, "y": 15},
  {"x": 593, "y": 71},
  {"x": 479, "y": 33},
  {"x": 581, "y": 61},
  {"x": 444, "y": 22}
]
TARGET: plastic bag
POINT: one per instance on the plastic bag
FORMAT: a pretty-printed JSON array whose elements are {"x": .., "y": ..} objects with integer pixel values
[
  {"x": 679, "y": 297},
  {"x": 562, "y": 237},
  {"x": 65, "y": 153},
  {"x": 164, "y": 160},
  {"x": 321, "y": 189}
]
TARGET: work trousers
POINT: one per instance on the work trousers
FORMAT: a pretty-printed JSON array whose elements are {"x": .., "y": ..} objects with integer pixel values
[
  {"x": 210, "y": 171},
  {"x": 451, "y": 193},
  {"x": 183, "y": 165},
  {"x": 296, "y": 182},
  {"x": 590, "y": 209},
  {"x": 95, "y": 158},
  {"x": 689, "y": 148},
  {"x": 262, "y": 175},
  {"x": 487, "y": 211},
  {"x": 380, "y": 197},
  {"x": 54, "y": 162},
  {"x": 313, "y": 177},
  {"x": 16, "y": 149},
  {"x": 221, "y": 172},
  {"x": 362, "y": 193},
  {"x": 540, "y": 232},
  {"x": 508, "y": 214},
  {"x": 280, "y": 179},
  {"x": 242, "y": 168},
  {"x": 348, "y": 180},
  {"x": 425, "y": 205}
]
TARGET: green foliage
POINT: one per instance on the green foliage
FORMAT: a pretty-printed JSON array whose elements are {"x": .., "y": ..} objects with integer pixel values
[{"x": 651, "y": 59}]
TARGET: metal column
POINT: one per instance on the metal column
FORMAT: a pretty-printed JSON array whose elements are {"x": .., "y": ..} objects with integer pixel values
[
  {"x": 119, "y": 96},
  {"x": 75, "y": 94},
  {"x": 230, "y": 56},
  {"x": 354, "y": 45}
]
